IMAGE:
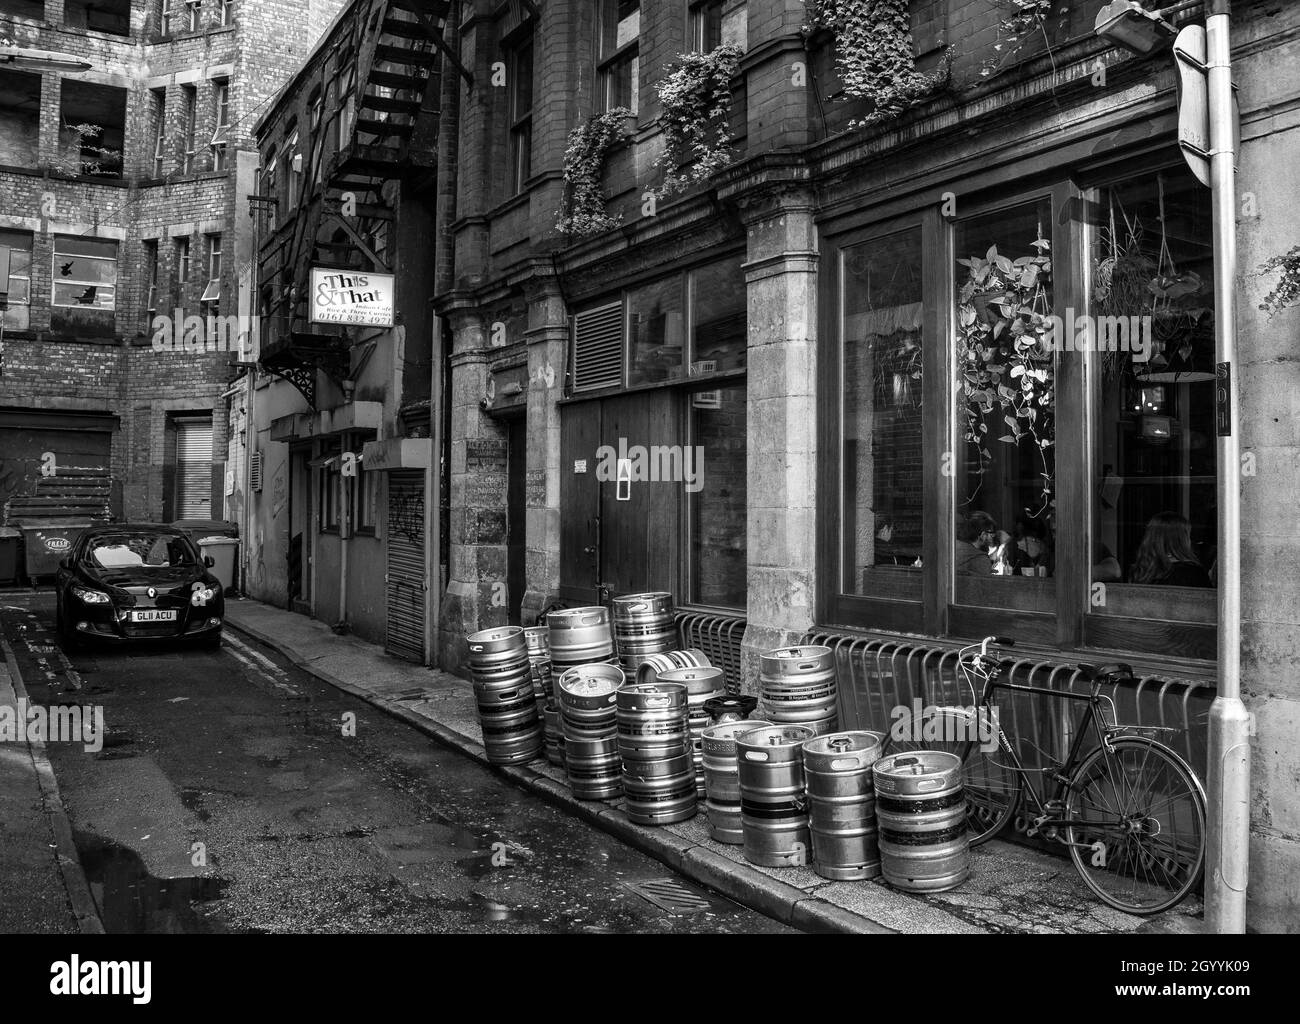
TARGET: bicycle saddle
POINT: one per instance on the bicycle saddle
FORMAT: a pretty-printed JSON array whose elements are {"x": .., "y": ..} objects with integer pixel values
[{"x": 1106, "y": 673}]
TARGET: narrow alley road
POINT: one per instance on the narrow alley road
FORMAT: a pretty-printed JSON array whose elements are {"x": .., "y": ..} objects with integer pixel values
[{"x": 230, "y": 797}]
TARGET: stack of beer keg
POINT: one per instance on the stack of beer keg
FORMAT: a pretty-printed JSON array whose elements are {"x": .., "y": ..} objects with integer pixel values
[
  {"x": 722, "y": 779},
  {"x": 921, "y": 812},
  {"x": 503, "y": 690},
  {"x": 841, "y": 804},
  {"x": 654, "y": 740},
  {"x": 702, "y": 685},
  {"x": 797, "y": 686},
  {"x": 643, "y": 626},
  {"x": 589, "y": 718}
]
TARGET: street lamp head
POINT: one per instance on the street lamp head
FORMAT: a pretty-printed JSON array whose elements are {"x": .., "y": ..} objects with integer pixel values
[
  {"x": 40, "y": 60},
  {"x": 1132, "y": 26}
]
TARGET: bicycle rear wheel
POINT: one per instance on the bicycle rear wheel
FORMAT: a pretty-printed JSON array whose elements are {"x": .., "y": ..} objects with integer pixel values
[
  {"x": 991, "y": 782},
  {"x": 1142, "y": 846}
]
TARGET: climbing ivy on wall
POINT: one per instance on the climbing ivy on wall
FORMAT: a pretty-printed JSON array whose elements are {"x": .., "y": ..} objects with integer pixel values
[
  {"x": 582, "y": 211},
  {"x": 874, "y": 54}
]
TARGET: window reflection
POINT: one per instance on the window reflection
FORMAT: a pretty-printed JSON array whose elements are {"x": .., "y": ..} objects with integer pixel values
[
  {"x": 1006, "y": 394},
  {"x": 1154, "y": 465},
  {"x": 655, "y": 331},
  {"x": 881, "y": 412}
]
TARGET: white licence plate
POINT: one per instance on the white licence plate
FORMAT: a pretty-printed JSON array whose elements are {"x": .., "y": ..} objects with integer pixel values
[{"x": 153, "y": 615}]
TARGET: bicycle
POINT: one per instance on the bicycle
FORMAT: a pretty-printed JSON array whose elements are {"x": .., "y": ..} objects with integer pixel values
[{"x": 1130, "y": 809}]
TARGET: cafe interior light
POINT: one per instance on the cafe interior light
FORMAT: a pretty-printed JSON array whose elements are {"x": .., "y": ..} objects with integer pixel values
[{"x": 1132, "y": 26}]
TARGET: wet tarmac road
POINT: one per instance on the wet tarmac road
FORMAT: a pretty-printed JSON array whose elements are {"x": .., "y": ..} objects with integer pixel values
[{"x": 227, "y": 798}]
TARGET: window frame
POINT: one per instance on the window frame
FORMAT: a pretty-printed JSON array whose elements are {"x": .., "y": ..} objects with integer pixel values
[
  {"x": 611, "y": 57},
  {"x": 900, "y": 610},
  {"x": 330, "y": 494},
  {"x": 57, "y": 279},
  {"x": 211, "y": 296},
  {"x": 697, "y": 24},
  {"x": 190, "y": 118},
  {"x": 193, "y": 15},
  {"x": 10, "y": 301},
  {"x": 519, "y": 133},
  {"x": 151, "y": 257},
  {"x": 221, "y": 127},
  {"x": 166, "y": 12},
  {"x": 160, "y": 132},
  {"x": 183, "y": 265},
  {"x": 225, "y": 13},
  {"x": 688, "y": 388}
]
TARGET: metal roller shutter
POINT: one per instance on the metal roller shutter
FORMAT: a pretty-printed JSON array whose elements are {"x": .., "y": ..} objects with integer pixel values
[
  {"x": 406, "y": 582},
  {"x": 194, "y": 469}
]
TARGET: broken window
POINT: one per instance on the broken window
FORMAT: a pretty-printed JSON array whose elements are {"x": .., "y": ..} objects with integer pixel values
[
  {"x": 159, "y": 113},
  {"x": 221, "y": 133},
  {"x": 93, "y": 124},
  {"x": 16, "y": 289},
  {"x": 84, "y": 272},
  {"x": 111, "y": 16},
  {"x": 20, "y": 117},
  {"x": 189, "y": 118}
]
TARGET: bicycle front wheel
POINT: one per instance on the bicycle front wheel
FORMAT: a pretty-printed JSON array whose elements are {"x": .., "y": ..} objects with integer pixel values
[{"x": 1137, "y": 835}]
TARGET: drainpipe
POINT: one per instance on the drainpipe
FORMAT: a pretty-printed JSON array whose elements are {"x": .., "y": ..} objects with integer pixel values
[{"x": 1227, "y": 859}]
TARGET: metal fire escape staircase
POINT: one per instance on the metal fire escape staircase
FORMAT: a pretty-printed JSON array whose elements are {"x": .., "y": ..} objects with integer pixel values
[{"x": 385, "y": 97}]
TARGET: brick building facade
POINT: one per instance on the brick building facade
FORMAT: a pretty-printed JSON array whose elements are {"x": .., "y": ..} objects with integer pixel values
[
  {"x": 149, "y": 204},
  {"x": 837, "y": 244}
]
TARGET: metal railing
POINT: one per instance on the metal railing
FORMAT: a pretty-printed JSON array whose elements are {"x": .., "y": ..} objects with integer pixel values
[
  {"x": 719, "y": 637},
  {"x": 878, "y": 675}
]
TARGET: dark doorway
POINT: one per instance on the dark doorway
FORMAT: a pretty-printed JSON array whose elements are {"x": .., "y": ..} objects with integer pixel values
[{"x": 516, "y": 517}]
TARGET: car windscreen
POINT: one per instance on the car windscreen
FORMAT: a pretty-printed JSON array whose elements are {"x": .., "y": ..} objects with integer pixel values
[{"x": 140, "y": 551}]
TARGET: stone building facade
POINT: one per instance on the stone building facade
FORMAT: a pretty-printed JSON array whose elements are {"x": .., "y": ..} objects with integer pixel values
[
  {"x": 836, "y": 245},
  {"x": 140, "y": 217}
]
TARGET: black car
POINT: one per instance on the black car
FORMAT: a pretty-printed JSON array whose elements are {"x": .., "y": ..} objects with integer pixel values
[{"x": 125, "y": 582}]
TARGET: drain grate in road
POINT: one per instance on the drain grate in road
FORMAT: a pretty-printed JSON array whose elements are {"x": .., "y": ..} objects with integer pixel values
[{"x": 671, "y": 895}]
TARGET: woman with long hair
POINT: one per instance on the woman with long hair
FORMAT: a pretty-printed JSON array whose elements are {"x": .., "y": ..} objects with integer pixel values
[{"x": 1166, "y": 556}]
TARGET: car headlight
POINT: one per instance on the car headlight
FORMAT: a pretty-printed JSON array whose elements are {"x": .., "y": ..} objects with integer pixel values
[{"x": 90, "y": 596}]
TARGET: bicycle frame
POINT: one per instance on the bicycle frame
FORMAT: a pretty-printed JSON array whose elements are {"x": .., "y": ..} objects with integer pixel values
[{"x": 1093, "y": 716}]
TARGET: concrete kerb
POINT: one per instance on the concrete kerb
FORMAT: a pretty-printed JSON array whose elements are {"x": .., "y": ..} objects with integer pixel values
[
  {"x": 785, "y": 903},
  {"x": 68, "y": 859}
]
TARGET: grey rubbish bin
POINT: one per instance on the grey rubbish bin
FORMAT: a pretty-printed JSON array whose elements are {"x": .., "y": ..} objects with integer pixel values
[{"x": 225, "y": 555}]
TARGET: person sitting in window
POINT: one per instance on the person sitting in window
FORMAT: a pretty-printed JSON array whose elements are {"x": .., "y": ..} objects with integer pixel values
[
  {"x": 1166, "y": 557},
  {"x": 974, "y": 533}
]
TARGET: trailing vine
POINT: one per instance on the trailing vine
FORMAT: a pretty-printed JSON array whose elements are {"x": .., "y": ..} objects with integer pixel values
[
  {"x": 80, "y": 153},
  {"x": 1026, "y": 18},
  {"x": 695, "y": 102},
  {"x": 582, "y": 210},
  {"x": 874, "y": 54},
  {"x": 1005, "y": 356},
  {"x": 1287, "y": 291}
]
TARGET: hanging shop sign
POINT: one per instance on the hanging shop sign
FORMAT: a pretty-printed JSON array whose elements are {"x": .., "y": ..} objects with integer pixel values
[{"x": 350, "y": 297}]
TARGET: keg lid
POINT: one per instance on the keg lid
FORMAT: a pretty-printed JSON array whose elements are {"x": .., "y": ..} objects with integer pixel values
[
  {"x": 721, "y": 739},
  {"x": 571, "y": 618},
  {"x": 843, "y": 751},
  {"x": 796, "y": 660},
  {"x": 651, "y": 696},
  {"x": 706, "y": 679},
  {"x": 917, "y": 762},
  {"x": 769, "y": 735},
  {"x": 497, "y": 638},
  {"x": 591, "y": 686}
]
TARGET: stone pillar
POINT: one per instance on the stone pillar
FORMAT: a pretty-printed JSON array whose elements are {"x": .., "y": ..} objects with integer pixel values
[
  {"x": 781, "y": 285},
  {"x": 547, "y": 336},
  {"x": 476, "y": 583}
]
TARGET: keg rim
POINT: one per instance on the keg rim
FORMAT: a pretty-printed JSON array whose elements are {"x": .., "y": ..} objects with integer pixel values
[{"x": 783, "y": 728}]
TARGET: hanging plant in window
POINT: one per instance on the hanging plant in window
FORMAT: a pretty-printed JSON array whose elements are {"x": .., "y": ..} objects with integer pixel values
[
  {"x": 874, "y": 54},
  {"x": 1005, "y": 364},
  {"x": 582, "y": 210},
  {"x": 1287, "y": 292},
  {"x": 1024, "y": 20},
  {"x": 695, "y": 112}
]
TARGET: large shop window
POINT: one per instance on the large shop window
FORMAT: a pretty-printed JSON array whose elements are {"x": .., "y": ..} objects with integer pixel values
[
  {"x": 1004, "y": 532},
  {"x": 718, "y": 502},
  {"x": 880, "y": 415},
  {"x": 1153, "y": 534},
  {"x": 1019, "y": 434}
]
